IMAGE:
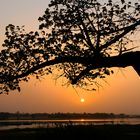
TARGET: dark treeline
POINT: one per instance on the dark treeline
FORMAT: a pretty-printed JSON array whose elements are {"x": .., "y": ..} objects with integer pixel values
[{"x": 34, "y": 116}]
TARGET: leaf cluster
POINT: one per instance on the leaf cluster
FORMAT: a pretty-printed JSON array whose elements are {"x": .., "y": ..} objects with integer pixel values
[{"x": 82, "y": 29}]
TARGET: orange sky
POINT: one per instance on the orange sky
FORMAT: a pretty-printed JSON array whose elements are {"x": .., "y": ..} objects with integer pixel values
[{"x": 120, "y": 95}]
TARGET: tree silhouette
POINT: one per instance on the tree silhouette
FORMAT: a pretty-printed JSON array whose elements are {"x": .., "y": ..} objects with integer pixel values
[{"x": 80, "y": 39}]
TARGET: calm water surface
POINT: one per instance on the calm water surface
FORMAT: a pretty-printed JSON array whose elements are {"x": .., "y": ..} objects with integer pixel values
[{"x": 12, "y": 124}]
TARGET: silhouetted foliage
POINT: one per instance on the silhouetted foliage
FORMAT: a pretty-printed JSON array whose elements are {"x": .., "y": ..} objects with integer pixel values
[{"x": 80, "y": 39}]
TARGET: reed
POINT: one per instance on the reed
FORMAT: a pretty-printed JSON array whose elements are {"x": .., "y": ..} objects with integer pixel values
[{"x": 94, "y": 132}]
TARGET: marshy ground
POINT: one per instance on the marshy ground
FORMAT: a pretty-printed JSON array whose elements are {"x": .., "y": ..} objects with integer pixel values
[{"x": 90, "y": 132}]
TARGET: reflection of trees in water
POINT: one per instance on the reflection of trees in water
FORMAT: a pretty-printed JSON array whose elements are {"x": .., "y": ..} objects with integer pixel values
[{"x": 12, "y": 124}]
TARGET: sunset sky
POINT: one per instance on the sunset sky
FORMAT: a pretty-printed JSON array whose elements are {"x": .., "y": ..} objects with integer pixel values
[{"x": 121, "y": 93}]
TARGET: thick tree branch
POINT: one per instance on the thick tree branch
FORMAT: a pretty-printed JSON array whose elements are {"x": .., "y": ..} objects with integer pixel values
[
  {"x": 116, "y": 38},
  {"x": 44, "y": 64},
  {"x": 127, "y": 59}
]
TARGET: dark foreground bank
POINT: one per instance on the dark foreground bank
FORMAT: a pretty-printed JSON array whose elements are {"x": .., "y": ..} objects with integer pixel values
[{"x": 90, "y": 132}]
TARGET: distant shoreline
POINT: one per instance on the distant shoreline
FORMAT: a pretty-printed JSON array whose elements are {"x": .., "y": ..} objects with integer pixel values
[{"x": 49, "y": 116}]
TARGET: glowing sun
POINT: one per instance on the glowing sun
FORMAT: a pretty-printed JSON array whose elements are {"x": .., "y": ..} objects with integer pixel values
[{"x": 82, "y": 100}]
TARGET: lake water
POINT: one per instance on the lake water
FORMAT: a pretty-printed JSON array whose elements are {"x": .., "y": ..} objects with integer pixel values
[{"x": 12, "y": 124}]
